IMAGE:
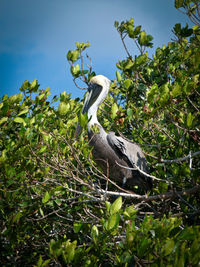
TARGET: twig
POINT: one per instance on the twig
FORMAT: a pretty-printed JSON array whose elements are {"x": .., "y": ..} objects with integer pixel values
[
  {"x": 125, "y": 47},
  {"x": 145, "y": 198},
  {"x": 142, "y": 172},
  {"x": 190, "y": 155},
  {"x": 82, "y": 88}
]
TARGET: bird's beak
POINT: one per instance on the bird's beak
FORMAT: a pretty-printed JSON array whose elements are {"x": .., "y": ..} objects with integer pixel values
[
  {"x": 91, "y": 96},
  {"x": 88, "y": 101},
  {"x": 86, "y": 105}
]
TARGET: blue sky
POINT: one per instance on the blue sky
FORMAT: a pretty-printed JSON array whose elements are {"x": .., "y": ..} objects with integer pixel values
[{"x": 35, "y": 36}]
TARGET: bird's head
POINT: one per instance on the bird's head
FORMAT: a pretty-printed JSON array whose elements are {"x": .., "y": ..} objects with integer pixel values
[
  {"x": 100, "y": 80},
  {"x": 98, "y": 89}
]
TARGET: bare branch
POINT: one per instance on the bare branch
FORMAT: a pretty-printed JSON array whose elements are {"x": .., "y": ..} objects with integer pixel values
[
  {"x": 125, "y": 47},
  {"x": 190, "y": 155},
  {"x": 145, "y": 198},
  {"x": 142, "y": 172},
  {"x": 82, "y": 88}
]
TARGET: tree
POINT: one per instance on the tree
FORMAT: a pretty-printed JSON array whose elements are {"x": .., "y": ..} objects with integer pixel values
[{"x": 54, "y": 210}]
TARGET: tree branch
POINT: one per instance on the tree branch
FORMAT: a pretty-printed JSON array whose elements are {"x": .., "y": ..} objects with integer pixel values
[
  {"x": 189, "y": 156},
  {"x": 145, "y": 198}
]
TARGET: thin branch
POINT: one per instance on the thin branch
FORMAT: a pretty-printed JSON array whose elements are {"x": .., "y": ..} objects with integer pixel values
[
  {"x": 145, "y": 198},
  {"x": 189, "y": 156},
  {"x": 125, "y": 47},
  {"x": 142, "y": 172},
  {"x": 195, "y": 107},
  {"x": 82, "y": 88}
]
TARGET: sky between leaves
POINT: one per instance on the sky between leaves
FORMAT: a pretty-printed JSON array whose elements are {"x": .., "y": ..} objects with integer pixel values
[{"x": 35, "y": 36}]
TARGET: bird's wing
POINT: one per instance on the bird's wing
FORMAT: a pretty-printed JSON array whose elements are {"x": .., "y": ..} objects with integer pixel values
[{"x": 131, "y": 151}]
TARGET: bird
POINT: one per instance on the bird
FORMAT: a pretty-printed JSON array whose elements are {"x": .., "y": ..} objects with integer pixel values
[{"x": 120, "y": 159}]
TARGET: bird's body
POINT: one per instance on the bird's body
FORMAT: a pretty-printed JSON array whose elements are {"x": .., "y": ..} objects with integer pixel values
[{"x": 117, "y": 157}]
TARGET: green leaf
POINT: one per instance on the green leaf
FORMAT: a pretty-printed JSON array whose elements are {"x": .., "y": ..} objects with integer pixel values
[
  {"x": 119, "y": 78},
  {"x": 128, "y": 64},
  {"x": 127, "y": 83},
  {"x": 19, "y": 120},
  {"x": 41, "y": 212},
  {"x": 195, "y": 28},
  {"x": 151, "y": 93},
  {"x": 116, "y": 24},
  {"x": 142, "y": 38},
  {"x": 130, "y": 211},
  {"x": 113, "y": 221},
  {"x": 43, "y": 149},
  {"x": 107, "y": 206},
  {"x": 3, "y": 156},
  {"x": 16, "y": 98},
  {"x": 19, "y": 97},
  {"x": 23, "y": 111},
  {"x": 168, "y": 247},
  {"x": 131, "y": 21},
  {"x": 190, "y": 118},
  {"x": 176, "y": 90},
  {"x": 114, "y": 110},
  {"x": 94, "y": 232},
  {"x": 130, "y": 113},
  {"x": 63, "y": 108},
  {"x": 177, "y": 28},
  {"x": 116, "y": 205},
  {"x": 41, "y": 96},
  {"x": 83, "y": 120},
  {"x": 164, "y": 94},
  {"x": 4, "y": 119},
  {"x": 32, "y": 120},
  {"x": 75, "y": 70},
  {"x": 39, "y": 263},
  {"x": 77, "y": 227},
  {"x": 141, "y": 59},
  {"x": 34, "y": 86},
  {"x": 130, "y": 30},
  {"x": 82, "y": 46},
  {"x": 46, "y": 197},
  {"x": 25, "y": 86},
  {"x": 73, "y": 55},
  {"x": 68, "y": 250},
  {"x": 178, "y": 3},
  {"x": 137, "y": 30}
]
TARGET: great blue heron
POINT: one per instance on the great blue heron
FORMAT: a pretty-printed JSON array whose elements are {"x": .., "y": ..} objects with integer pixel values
[{"x": 117, "y": 157}]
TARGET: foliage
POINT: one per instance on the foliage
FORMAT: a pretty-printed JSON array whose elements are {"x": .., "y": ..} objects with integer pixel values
[{"x": 55, "y": 210}]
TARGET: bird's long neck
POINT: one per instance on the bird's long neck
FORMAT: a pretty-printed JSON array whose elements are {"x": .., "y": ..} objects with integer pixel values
[
  {"x": 92, "y": 116},
  {"x": 93, "y": 121}
]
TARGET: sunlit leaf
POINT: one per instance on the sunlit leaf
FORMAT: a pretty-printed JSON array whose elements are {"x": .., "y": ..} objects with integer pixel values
[
  {"x": 176, "y": 90},
  {"x": 127, "y": 83},
  {"x": 24, "y": 111},
  {"x": 113, "y": 221},
  {"x": 119, "y": 78},
  {"x": 114, "y": 110},
  {"x": 46, "y": 197},
  {"x": 190, "y": 118},
  {"x": 63, "y": 108},
  {"x": 19, "y": 120},
  {"x": 116, "y": 205},
  {"x": 4, "y": 119}
]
